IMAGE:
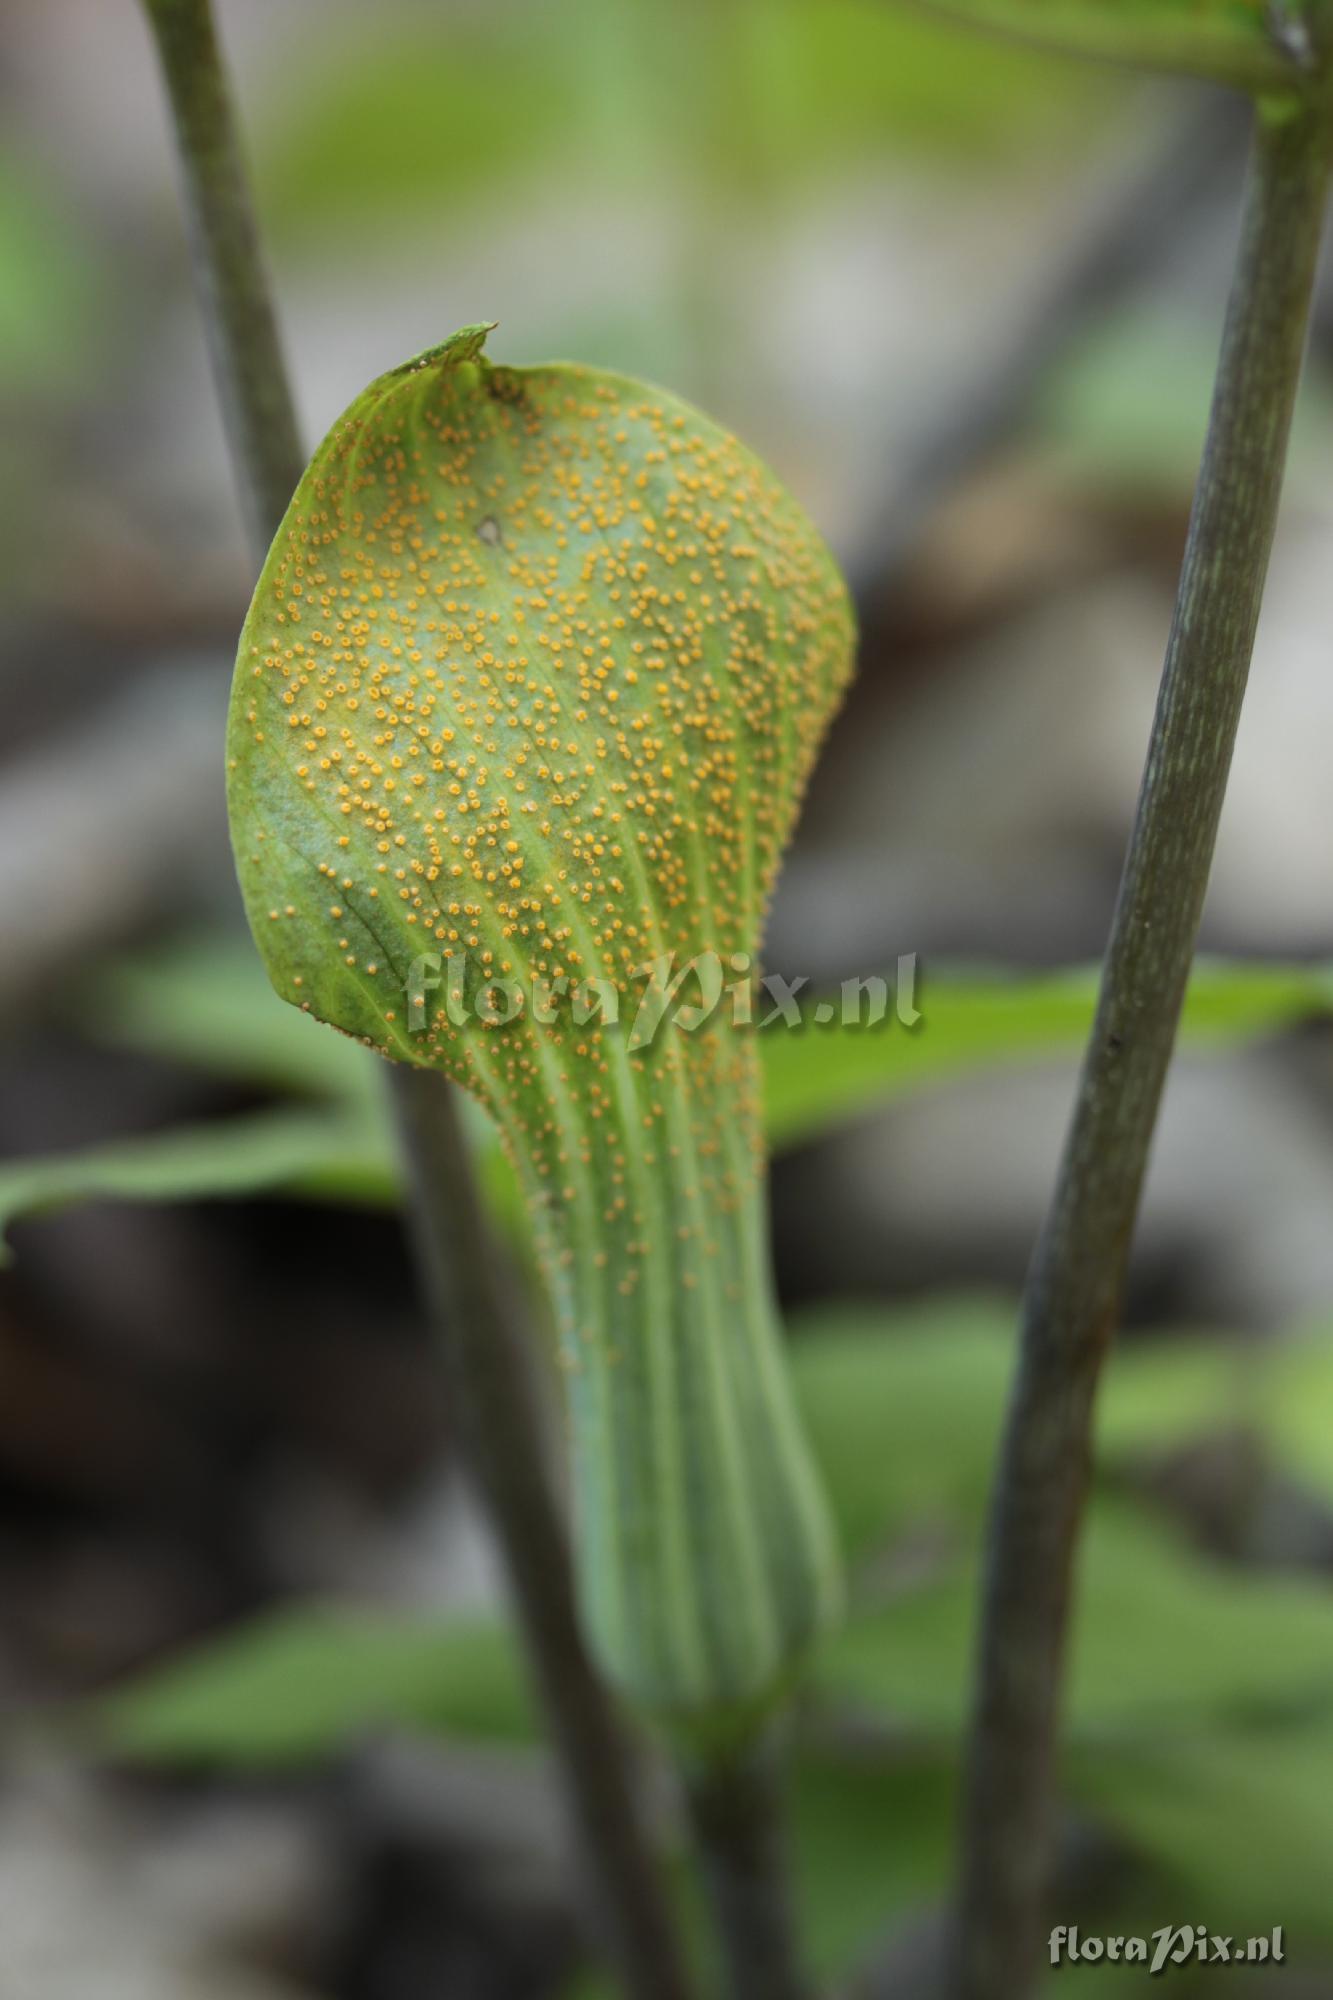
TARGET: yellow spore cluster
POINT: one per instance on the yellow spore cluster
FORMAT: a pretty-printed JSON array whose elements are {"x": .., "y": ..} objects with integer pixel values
[
  {"x": 534, "y": 676},
  {"x": 531, "y": 684}
]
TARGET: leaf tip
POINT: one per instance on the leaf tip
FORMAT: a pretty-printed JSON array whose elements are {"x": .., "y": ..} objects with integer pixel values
[{"x": 465, "y": 345}]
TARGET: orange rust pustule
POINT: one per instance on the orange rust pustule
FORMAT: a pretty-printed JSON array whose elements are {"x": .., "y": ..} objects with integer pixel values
[{"x": 537, "y": 670}]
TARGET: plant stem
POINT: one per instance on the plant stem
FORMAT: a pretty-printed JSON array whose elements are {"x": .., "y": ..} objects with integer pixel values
[
  {"x": 464, "y": 1283},
  {"x": 737, "y": 1814},
  {"x": 1076, "y": 1284},
  {"x": 227, "y": 258},
  {"x": 489, "y": 1364}
]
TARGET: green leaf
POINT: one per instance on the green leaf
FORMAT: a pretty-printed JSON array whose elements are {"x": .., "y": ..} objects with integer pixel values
[
  {"x": 1130, "y": 406},
  {"x": 1162, "y": 1638},
  {"x": 1281, "y": 1391},
  {"x": 1258, "y": 44},
  {"x": 1171, "y": 1391},
  {"x": 1201, "y": 1718},
  {"x": 1292, "y": 1401},
  {"x": 903, "y": 1409},
  {"x": 1241, "y": 1821},
  {"x": 245, "y": 1155},
  {"x": 871, "y": 1843},
  {"x": 1165, "y": 1634},
  {"x": 393, "y": 125},
  {"x": 49, "y": 284},
  {"x": 389, "y": 123},
  {"x": 202, "y": 1001},
  {"x": 905, "y": 1406},
  {"x": 840, "y": 80},
  {"x": 303, "y": 1684},
  {"x": 816, "y": 1077}
]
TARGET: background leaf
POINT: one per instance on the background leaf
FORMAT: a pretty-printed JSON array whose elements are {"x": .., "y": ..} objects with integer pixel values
[
  {"x": 1162, "y": 1638},
  {"x": 302, "y": 1684},
  {"x": 1243, "y": 1823},
  {"x": 903, "y": 1410},
  {"x": 1235, "y": 40},
  {"x": 316, "y": 1151}
]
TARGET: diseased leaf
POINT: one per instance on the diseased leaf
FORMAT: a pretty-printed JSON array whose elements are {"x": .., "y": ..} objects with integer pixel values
[
  {"x": 529, "y": 691},
  {"x": 523, "y": 660}
]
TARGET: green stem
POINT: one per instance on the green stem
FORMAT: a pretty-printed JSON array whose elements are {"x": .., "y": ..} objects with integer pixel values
[
  {"x": 1076, "y": 1284},
  {"x": 228, "y": 261},
  {"x": 483, "y": 1343},
  {"x": 488, "y": 1361},
  {"x": 709, "y": 1559},
  {"x": 737, "y": 1817}
]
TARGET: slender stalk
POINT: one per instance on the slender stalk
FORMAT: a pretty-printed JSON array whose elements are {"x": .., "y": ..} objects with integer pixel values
[
  {"x": 230, "y": 273},
  {"x": 483, "y": 1342},
  {"x": 1077, "y": 1279},
  {"x": 737, "y": 1814},
  {"x": 488, "y": 1362}
]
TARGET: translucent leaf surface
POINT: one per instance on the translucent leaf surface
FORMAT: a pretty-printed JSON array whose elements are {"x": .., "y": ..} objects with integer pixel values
[{"x": 1260, "y": 44}]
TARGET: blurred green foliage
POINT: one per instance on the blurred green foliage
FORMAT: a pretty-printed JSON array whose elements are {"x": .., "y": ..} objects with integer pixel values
[
  {"x": 289, "y": 1687},
  {"x": 1201, "y": 1702},
  {"x": 1199, "y": 1691},
  {"x": 396, "y": 117},
  {"x": 54, "y": 307},
  {"x": 1200, "y": 1734},
  {"x": 52, "y": 294},
  {"x": 1127, "y": 410}
]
